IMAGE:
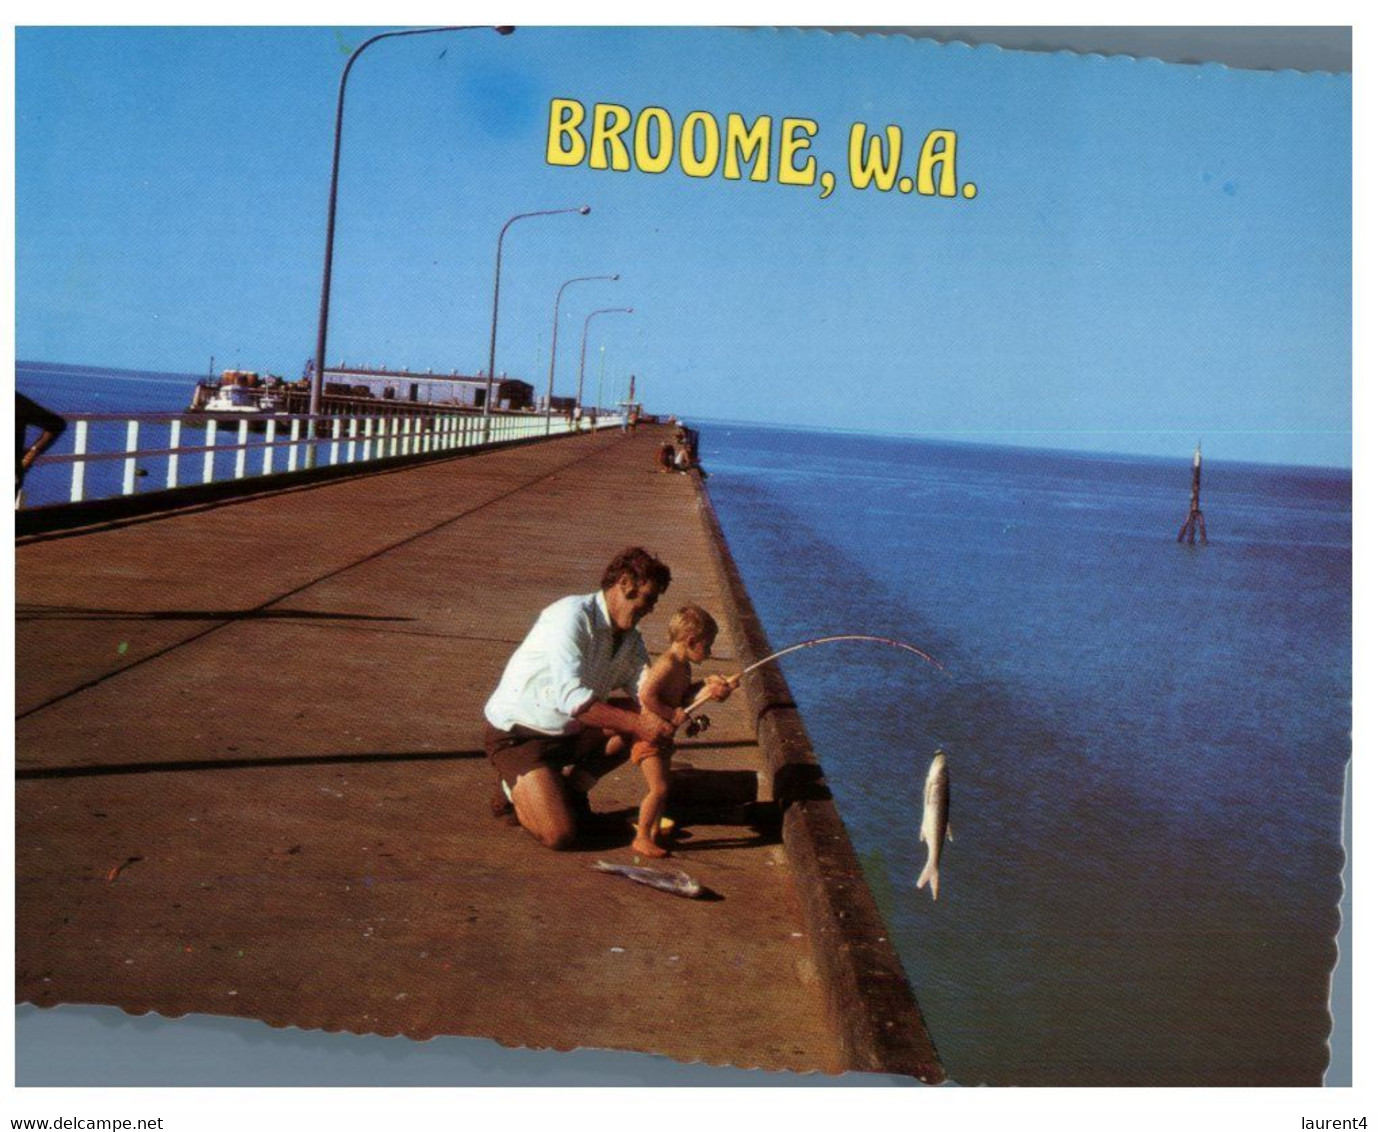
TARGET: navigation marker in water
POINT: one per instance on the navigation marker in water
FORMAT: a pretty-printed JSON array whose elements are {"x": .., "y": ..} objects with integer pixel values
[{"x": 1194, "y": 517}]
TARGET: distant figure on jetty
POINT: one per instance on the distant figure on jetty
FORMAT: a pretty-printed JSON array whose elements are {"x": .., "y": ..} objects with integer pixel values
[
  {"x": 30, "y": 414},
  {"x": 686, "y": 448},
  {"x": 1195, "y": 517},
  {"x": 554, "y": 726},
  {"x": 665, "y": 457}
]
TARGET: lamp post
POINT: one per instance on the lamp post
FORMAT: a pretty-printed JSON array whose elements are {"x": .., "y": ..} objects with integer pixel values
[
  {"x": 555, "y": 334},
  {"x": 584, "y": 349},
  {"x": 582, "y": 210},
  {"x": 318, "y": 378},
  {"x": 602, "y": 363}
]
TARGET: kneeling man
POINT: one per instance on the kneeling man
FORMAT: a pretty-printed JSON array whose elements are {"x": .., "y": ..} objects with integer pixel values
[{"x": 555, "y": 725}]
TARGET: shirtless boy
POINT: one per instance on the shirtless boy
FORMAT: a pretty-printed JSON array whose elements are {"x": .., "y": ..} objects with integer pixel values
[{"x": 666, "y": 690}]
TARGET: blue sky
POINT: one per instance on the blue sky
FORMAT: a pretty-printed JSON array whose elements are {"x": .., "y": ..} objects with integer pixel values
[{"x": 1156, "y": 253}]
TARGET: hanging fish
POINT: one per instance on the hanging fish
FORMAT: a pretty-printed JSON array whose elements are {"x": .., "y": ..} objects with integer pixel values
[
  {"x": 934, "y": 829},
  {"x": 676, "y": 881}
]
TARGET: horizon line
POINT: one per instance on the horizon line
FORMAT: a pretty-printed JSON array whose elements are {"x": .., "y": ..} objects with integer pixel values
[
  {"x": 947, "y": 437},
  {"x": 952, "y": 436}
]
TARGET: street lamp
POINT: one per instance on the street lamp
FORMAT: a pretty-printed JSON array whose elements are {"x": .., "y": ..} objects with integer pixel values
[
  {"x": 584, "y": 349},
  {"x": 318, "y": 377},
  {"x": 554, "y": 337},
  {"x": 602, "y": 363},
  {"x": 582, "y": 210}
]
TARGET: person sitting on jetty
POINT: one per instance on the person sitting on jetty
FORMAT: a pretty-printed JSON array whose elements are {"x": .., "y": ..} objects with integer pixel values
[
  {"x": 685, "y": 449},
  {"x": 554, "y": 726},
  {"x": 668, "y": 688},
  {"x": 665, "y": 457}
]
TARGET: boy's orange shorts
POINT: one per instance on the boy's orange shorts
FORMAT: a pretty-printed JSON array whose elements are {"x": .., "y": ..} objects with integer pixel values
[{"x": 643, "y": 749}]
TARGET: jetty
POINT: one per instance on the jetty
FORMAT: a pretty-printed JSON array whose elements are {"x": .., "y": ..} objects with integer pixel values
[{"x": 250, "y": 778}]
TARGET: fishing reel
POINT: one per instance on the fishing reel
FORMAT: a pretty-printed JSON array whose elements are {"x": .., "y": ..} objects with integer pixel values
[{"x": 696, "y": 725}]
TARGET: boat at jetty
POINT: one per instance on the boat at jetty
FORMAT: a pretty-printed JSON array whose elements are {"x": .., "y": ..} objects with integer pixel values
[{"x": 241, "y": 391}]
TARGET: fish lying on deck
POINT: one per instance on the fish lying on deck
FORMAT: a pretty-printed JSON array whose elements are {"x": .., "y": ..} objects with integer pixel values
[
  {"x": 934, "y": 830},
  {"x": 676, "y": 882}
]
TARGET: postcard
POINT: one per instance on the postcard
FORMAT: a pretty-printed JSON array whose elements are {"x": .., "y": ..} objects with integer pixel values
[{"x": 774, "y": 549}]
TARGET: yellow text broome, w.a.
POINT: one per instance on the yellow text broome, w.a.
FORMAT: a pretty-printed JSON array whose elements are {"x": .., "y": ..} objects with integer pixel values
[{"x": 780, "y": 150}]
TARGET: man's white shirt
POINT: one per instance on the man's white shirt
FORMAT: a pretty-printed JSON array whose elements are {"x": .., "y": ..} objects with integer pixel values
[{"x": 565, "y": 663}]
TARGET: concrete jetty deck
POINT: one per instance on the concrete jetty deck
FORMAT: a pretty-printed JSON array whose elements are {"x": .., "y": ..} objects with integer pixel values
[{"x": 250, "y": 781}]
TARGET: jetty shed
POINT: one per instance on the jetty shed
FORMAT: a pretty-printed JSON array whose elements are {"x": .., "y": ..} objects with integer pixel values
[{"x": 429, "y": 388}]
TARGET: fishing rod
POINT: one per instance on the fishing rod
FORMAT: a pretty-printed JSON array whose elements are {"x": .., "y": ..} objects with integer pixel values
[
  {"x": 842, "y": 637},
  {"x": 704, "y": 696}
]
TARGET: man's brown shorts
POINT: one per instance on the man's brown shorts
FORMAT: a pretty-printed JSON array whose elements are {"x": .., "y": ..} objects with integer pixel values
[{"x": 515, "y": 752}]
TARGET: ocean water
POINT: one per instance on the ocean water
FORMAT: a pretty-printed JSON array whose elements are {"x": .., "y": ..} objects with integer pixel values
[
  {"x": 1146, "y": 741},
  {"x": 98, "y": 389}
]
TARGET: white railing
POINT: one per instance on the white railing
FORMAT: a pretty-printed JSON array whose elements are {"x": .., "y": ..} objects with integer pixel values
[{"x": 109, "y": 454}]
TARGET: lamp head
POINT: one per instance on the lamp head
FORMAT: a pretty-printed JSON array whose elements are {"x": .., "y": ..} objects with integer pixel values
[
  {"x": 504, "y": 31},
  {"x": 584, "y": 210},
  {"x": 615, "y": 278}
]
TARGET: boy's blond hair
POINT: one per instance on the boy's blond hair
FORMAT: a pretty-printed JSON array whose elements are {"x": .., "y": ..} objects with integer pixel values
[{"x": 692, "y": 623}]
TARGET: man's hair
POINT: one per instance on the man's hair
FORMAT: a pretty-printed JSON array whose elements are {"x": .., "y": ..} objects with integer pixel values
[
  {"x": 641, "y": 566},
  {"x": 692, "y": 623}
]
